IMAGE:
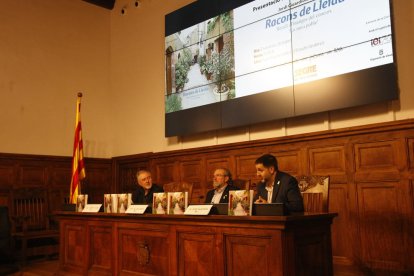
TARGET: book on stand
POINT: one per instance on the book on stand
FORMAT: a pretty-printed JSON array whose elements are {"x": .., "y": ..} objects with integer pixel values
[
  {"x": 109, "y": 203},
  {"x": 177, "y": 203},
  {"x": 81, "y": 202},
  {"x": 124, "y": 201},
  {"x": 160, "y": 203},
  {"x": 240, "y": 203}
]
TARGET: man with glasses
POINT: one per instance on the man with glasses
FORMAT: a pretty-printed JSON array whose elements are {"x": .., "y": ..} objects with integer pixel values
[{"x": 222, "y": 184}]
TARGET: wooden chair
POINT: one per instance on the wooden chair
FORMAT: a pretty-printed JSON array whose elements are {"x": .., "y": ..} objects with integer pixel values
[
  {"x": 31, "y": 224},
  {"x": 315, "y": 192},
  {"x": 179, "y": 187},
  {"x": 7, "y": 262}
]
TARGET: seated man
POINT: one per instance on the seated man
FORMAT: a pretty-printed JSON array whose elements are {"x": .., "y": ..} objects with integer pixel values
[
  {"x": 222, "y": 185},
  {"x": 277, "y": 186},
  {"x": 145, "y": 190}
]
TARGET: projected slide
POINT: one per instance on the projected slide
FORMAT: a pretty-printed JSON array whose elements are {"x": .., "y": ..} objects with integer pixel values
[{"x": 293, "y": 52}]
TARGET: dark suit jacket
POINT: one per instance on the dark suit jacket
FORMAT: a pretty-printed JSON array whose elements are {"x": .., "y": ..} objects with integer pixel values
[
  {"x": 285, "y": 190},
  {"x": 139, "y": 197},
  {"x": 224, "y": 196}
]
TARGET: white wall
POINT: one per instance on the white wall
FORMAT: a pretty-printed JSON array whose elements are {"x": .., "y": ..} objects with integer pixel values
[
  {"x": 137, "y": 85},
  {"x": 52, "y": 49},
  {"x": 49, "y": 51}
]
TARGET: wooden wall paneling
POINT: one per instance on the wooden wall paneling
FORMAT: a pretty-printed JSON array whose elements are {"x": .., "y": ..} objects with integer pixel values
[
  {"x": 7, "y": 176},
  {"x": 382, "y": 224},
  {"x": 289, "y": 161},
  {"x": 60, "y": 176},
  {"x": 101, "y": 254},
  {"x": 197, "y": 252},
  {"x": 245, "y": 168},
  {"x": 193, "y": 171},
  {"x": 408, "y": 220},
  {"x": 32, "y": 174},
  {"x": 4, "y": 198},
  {"x": 378, "y": 160},
  {"x": 342, "y": 238},
  {"x": 98, "y": 179},
  {"x": 7, "y": 181},
  {"x": 327, "y": 160},
  {"x": 73, "y": 257},
  {"x": 245, "y": 252},
  {"x": 165, "y": 170},
  {"x": 410, "y": 147},
  {"x": 143, "y": 249},
  {"x": 411, "y": 225}
]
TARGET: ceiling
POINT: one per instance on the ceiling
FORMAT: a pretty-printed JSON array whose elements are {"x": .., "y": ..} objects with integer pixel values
[{"x": 107, "y": 4}]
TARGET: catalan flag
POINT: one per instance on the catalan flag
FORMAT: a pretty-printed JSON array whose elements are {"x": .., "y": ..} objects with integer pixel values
[{"x": 78, "y": 167}]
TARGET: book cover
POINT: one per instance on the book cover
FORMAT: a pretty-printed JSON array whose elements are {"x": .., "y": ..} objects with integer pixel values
[
  {"x": 108, "y": 203},
  {"x": 160, "y": 203},
  {"x": 178, "y": 203},
  {"x": 81, "y": 202},
  {"x": 124, "y": 201},
  {"x": 240, "y": 203}
]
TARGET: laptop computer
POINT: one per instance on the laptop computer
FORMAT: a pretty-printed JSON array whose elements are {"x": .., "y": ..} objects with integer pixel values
[{"x": 269, "y": 209}]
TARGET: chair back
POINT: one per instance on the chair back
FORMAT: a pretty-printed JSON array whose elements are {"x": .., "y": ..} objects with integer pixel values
[
  {"x": 179, "y": 187},
  {"x": 315, "y": 192},
  {"x": 5, "y": 234},
  {"x": 30, "y": 209},
  {"x": 7, "y": 260}
]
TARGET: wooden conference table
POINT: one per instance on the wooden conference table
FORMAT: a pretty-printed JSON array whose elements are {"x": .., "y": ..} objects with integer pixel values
[{"x": 126, "y": 244}]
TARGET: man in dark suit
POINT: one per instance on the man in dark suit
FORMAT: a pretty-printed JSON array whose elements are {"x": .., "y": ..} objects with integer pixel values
[
  {"x": 277, "y": 186},
  {"x": 222, "y": 185},
  {"x": 146, "y": 189}
]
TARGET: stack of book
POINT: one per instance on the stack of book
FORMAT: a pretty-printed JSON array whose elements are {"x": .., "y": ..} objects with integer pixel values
[{"x": 170, "y": 203}]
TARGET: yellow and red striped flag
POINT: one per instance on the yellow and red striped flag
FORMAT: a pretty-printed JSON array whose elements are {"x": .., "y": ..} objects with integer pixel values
[{"x": 78, "y": 167}]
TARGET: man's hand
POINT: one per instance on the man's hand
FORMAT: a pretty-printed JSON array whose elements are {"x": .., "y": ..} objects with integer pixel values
[{"x": 260, "y": 200}]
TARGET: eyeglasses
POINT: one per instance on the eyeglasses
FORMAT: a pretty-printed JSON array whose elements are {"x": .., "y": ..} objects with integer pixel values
[{"x": 217, "y": 175}]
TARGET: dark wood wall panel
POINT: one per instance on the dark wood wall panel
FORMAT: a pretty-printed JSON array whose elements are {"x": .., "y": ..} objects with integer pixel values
[
  {"x": 245, "y": 168},
  {"x": 60, "y": 175},
  {"x": 196, "y": 253},
  {"x": 371, "y": 171},
  {"x": 165, "y": 172},
  {"x": 32, "y": 175},
  {"x": 381, "y": 157},
  {"x": 341, "y": 229},
  {"x": 53, "y": 174},
  {"x": 410, "y": 145},
  {"x": 7, "y": 174},
  {"x": 288, "y": 161},
  {"x": 102, "y": 261},
  {"x": 382, "y": 224},
  {"x": 98, "y": 179},
  {"x": 327, "y": 160}
]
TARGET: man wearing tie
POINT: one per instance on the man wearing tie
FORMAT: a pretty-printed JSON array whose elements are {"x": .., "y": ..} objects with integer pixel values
[
  {"x": 222, "y": 184},
  {"x": 277, "y": 186}
]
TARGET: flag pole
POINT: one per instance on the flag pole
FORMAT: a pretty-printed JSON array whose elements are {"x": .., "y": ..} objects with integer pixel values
[{"x": 78, "y": 167}]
